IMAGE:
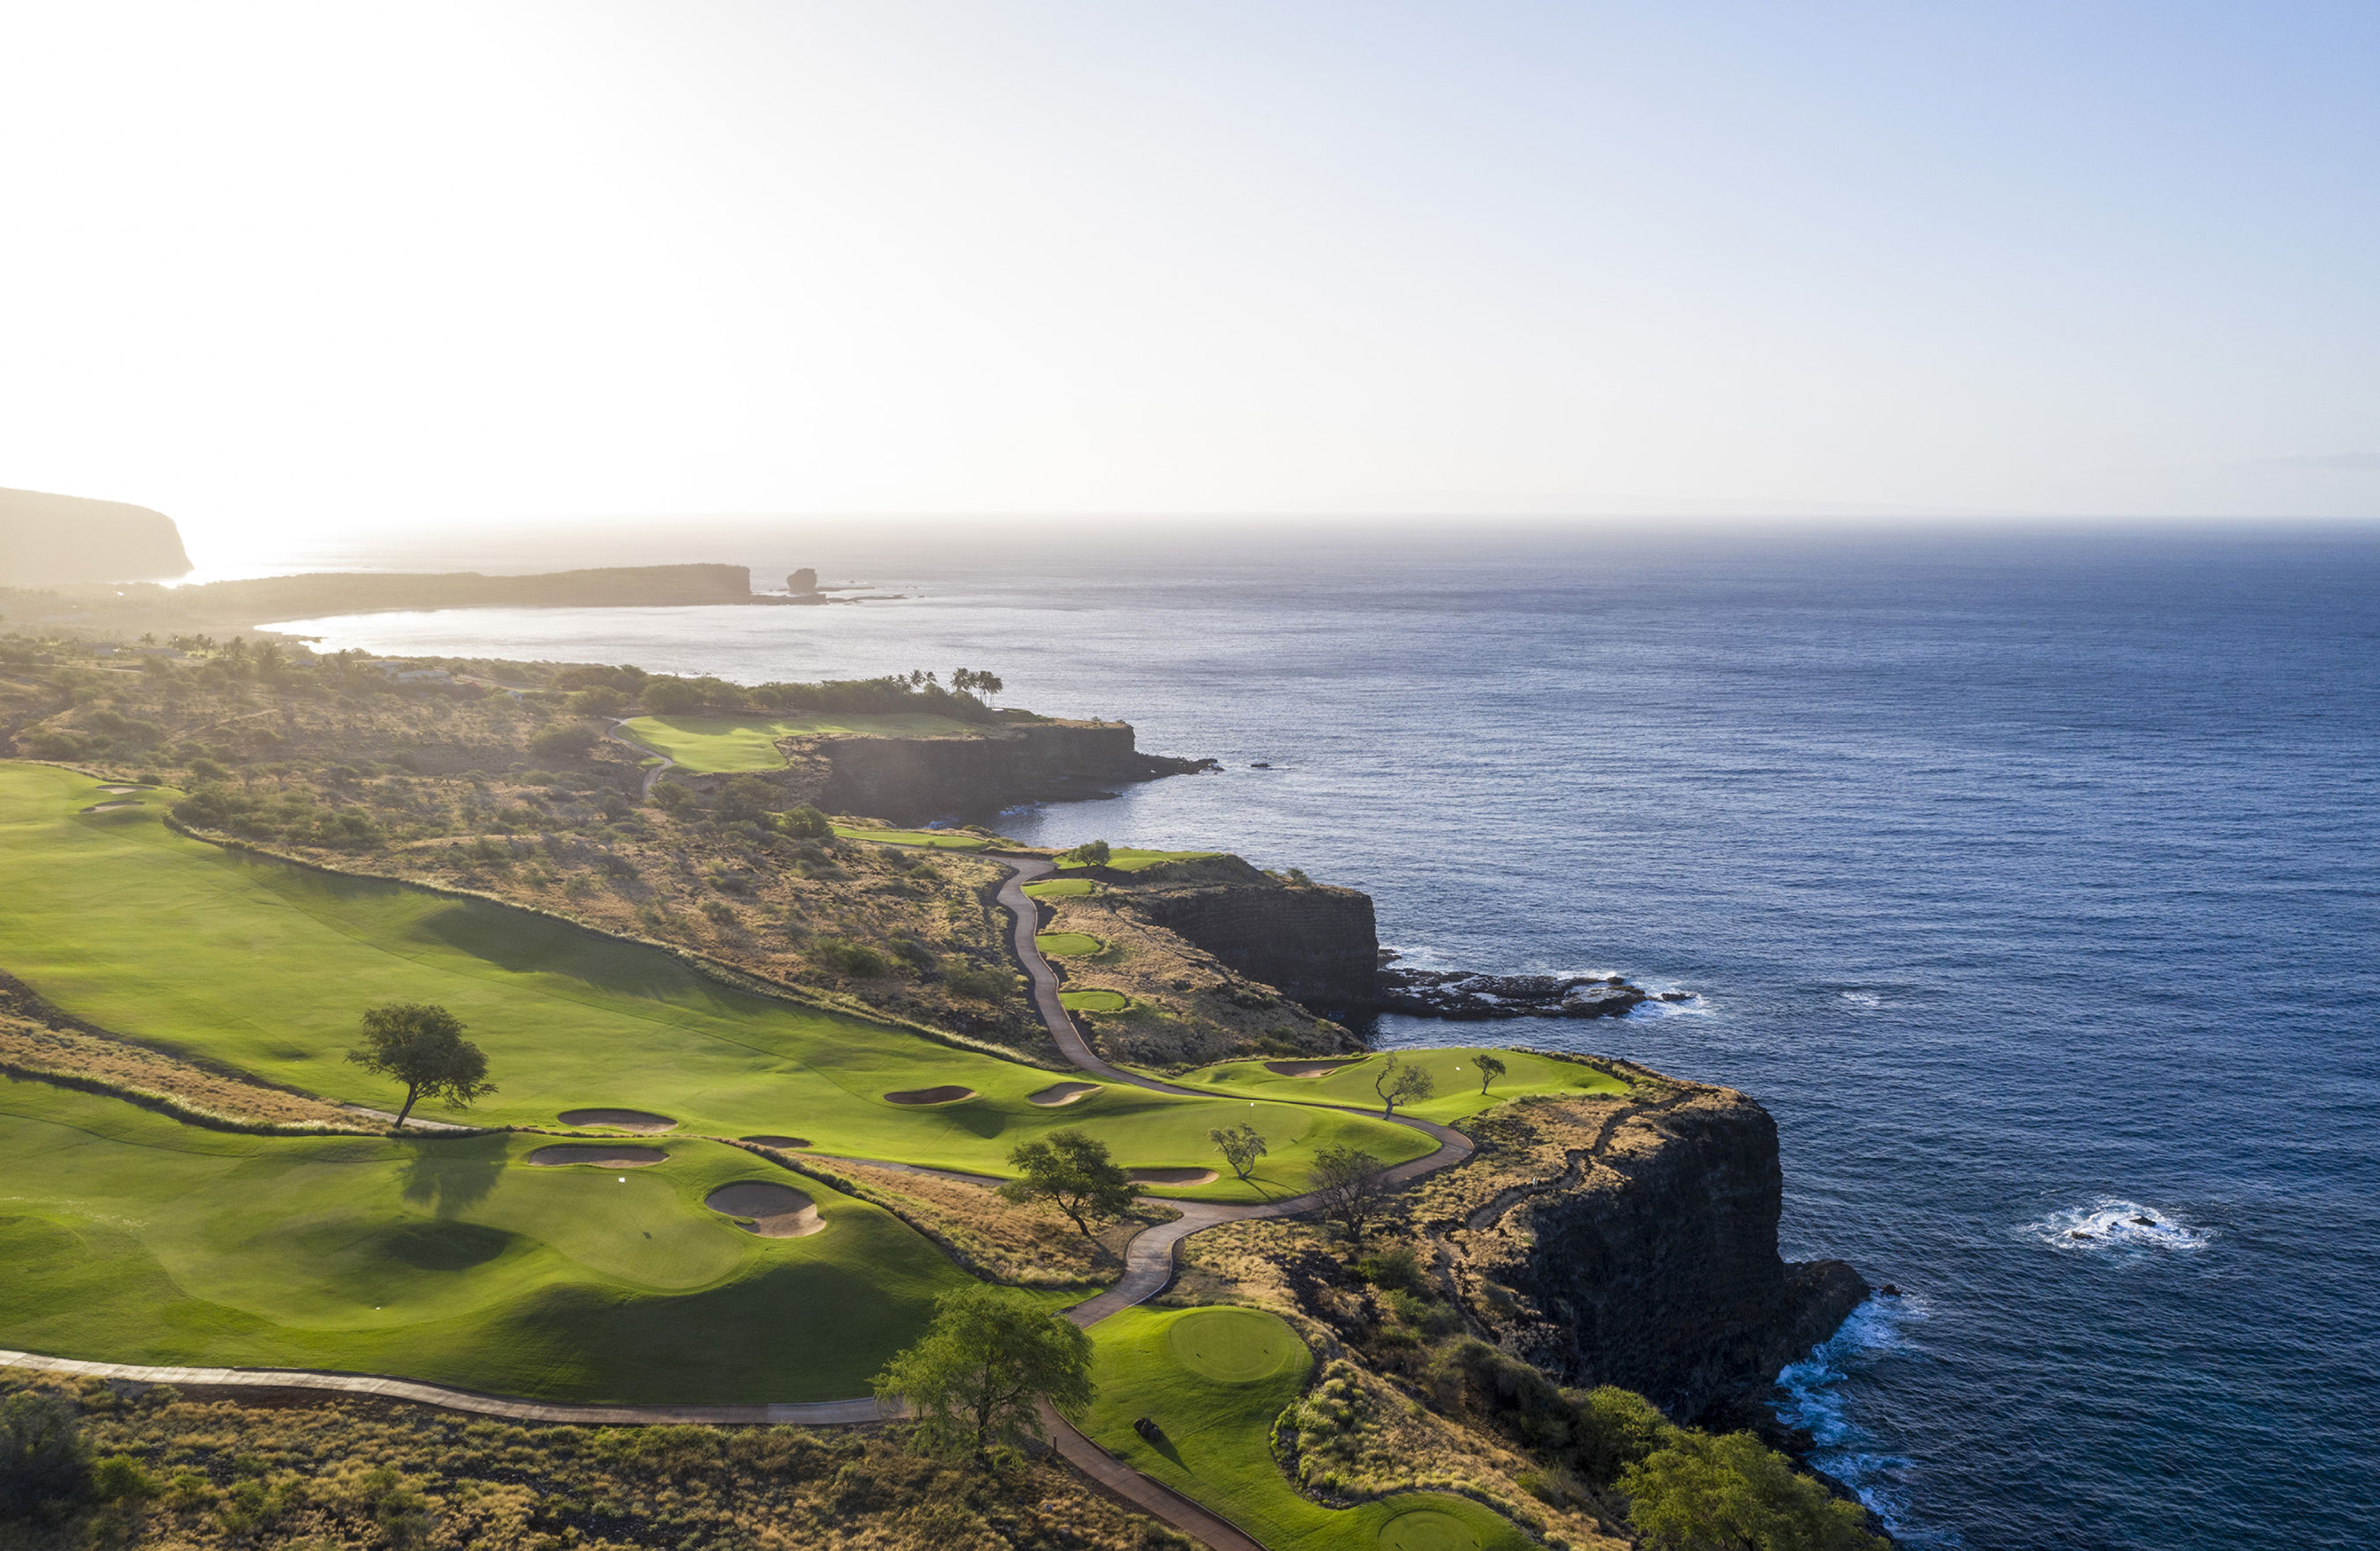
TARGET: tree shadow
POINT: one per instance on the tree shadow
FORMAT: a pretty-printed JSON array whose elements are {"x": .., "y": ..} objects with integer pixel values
[{"x": 449, "y": 1174}]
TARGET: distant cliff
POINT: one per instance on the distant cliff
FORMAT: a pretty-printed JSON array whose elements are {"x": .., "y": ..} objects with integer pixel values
[
  {"x": 48, "y": 540},
  {"x": 268, "y": 597}
]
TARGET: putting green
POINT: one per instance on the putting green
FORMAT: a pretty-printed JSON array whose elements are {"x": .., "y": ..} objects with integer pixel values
[
  {"x": 717, "y": 745},
  {"x": 1128, "y": 858},
  {"x": 1094, "y": 1001},
  {"x": 939, "y": 840},
  {"x": 1456, "y": 1070},
  {"x": 268, "y": 967},
  {"x": 130, "y": 1237},
  {"x": 1059, "y": 888},
  {"x": 1067, "y": 945},
  {"x": 1214, "y": 1381}
]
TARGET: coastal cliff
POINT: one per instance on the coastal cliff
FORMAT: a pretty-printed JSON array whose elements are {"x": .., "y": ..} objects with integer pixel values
[
  {"x": 1315, "y": 945},
  {"x": 1634, "y": 1243},
  {"x": 908, "y": 779},
  {"x": 49, "y": 540}
]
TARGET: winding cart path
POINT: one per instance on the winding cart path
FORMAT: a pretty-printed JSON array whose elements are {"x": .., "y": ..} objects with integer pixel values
[{"x": 1149, "y": 1269}]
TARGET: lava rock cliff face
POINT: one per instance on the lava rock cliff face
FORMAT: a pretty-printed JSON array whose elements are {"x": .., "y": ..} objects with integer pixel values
[
  {"x": 1317, "y": 945},
  {"x": 1642, "y": 1252},
  {"x": 911, "y": 779}
]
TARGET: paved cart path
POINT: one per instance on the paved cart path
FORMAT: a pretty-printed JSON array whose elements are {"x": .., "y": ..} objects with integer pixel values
[{"x": 1149, "y": 1269}]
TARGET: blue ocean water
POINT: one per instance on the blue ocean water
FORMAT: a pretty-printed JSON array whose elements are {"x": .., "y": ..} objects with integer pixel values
[{"x": 2032, "y": 882}]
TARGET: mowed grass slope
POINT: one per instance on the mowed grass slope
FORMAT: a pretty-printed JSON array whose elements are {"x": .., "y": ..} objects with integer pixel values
[
  {"x": 1214, "y": 1380},
  {"x": 717, "y": 745},
  {"x": 129, "y": 1237},
  {"x": 268, "y": 967},
  {"x": 1455, "y": 1070}
]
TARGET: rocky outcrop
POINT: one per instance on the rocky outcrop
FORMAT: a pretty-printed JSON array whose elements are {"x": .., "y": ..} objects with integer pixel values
[
  {"x": 1317, "y": 945},
  {"x": 48, "y": 539},
  {"x": 1649, "y": 1258},
  {"x": 976, "y": 776},
  {"x": 1464, "y": 996}
]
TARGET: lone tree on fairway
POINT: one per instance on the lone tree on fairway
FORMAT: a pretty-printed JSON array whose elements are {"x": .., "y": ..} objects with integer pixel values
[
  {"x": 423, "y": 1048},
  {"x": 1240, "y": 1145},
  {"x": 1072, "y": 1172},
  {"x": 973, "y": 1378},
  {"x": 1090, "y": 854},
  {"x": 1349, "y": 1190},
  {"x": 1489, "y": 1069},
  {"x": 1400, "y": 1083}
]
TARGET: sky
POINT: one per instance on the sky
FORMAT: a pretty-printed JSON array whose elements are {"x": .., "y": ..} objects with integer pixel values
[{"x": 309, "y": 267}]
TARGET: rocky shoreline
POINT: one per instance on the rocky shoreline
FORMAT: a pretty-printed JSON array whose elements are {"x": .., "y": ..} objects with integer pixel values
[{"x": 1461, "y": 995}]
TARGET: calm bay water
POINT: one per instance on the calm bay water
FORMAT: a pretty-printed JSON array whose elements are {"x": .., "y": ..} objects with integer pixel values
[{"x": 2033, "y": 883}]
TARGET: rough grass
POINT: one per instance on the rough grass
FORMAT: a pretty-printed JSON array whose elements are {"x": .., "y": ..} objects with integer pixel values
[
  {"x": 1528, "y": 1075},
  {"x": 1059, "y": 888},
  {"x": 29, "y": 1048},
  {"x": 309, "y": 1465},
  {"x": 1215, "y": 1380},
  {"x": 716, "y": 744},
  {"x": 130, "y": 1237},
  {"x": 1027, "y": 1246},
  {"x": 937, "y": 840},
  {"x": 1068, "y": 945},
  {"x": 266, "y": 967}
]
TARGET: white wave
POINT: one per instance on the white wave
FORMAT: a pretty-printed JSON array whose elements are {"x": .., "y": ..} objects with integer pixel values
[
  {"x": 2109, "y": 1223},
  {"x": 1863, "y": 998},
  {"x": 1697, "y": 1006},
  {"x": 1815, "y": 1401}
]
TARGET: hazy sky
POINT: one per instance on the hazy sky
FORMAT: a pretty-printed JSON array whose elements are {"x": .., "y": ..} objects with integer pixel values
[{"x": 355, "y": 264}]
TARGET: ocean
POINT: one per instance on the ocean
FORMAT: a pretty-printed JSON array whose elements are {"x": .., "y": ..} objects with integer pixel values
[{"x": 2032, "y": 881}]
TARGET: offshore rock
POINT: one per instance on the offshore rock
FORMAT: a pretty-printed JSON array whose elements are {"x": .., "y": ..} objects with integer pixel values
[{"x": 1461, "y": 995}]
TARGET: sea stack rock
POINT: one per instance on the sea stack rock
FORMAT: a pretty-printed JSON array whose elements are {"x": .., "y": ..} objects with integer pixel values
[{"x": 803, "y": 580}]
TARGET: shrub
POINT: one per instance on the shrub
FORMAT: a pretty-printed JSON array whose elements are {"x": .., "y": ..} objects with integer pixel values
[
  {"x": 842, "y": 957},
  {"x": 1398, "y": 1268},
  {"x": 569, "y": 742},
  {"x": 672, "y": 797},
  {"x": 595, "y": 700},
  {"x": 121, "y": 1478},
  {"x": 1615, "y": 1429},
  {"x": 805, "y": 823},
  {"x": 43, "y": 1459},
  {"x": 1697, "y": 1490},
  {"x": 979, "y": 984},
  {"x": 203, "y": 769}
]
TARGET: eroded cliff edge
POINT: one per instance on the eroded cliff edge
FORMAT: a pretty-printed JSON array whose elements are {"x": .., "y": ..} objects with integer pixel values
[{"x": 1633, "y": 1241}]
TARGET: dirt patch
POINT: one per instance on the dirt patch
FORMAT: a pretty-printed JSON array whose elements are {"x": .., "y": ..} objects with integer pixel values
[
  {"x": 108, "y": 807},
  {"x": 618, "y": 1119},
  {"x": 1063, "y": 1092},
  {"x": 1172, "y": 1176},
  {"x": 929, "y": 1095},
  {"x": 1307, "y": 1068},
  {"x": 776, "y": 1141},
  {"x": 610, "y": 1157},
  {"x": 773, "y": 1211}
]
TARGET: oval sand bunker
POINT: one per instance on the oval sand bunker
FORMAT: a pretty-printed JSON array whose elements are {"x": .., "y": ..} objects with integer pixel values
[
  {"x": 109, "y": 808},
  {"x": 929, "y": 1095},
  {"x": 1061, "y": 1093},
  {"x": 618, "y": 1119},
  {"x": 610, "y": 1157},
  {"x": 773, "y": 1211},
  {"x": 1307, "y": 1068},
  {"x": 1171, "y": 1175}
]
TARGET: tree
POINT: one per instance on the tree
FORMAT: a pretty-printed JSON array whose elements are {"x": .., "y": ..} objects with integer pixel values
[
  {"x": 1090, "y": 854},
  {"x": 1240, "y": 1145},
  {"x": 1349, "y": 1189},
  {"x": 423, "y": 1048},
  {"x": 974, "y": 1377},
  {"x": 1699, "y": 1492},
  {"x": 1490, "y": 1068},
  {"x": 1073, "y": 1173},
  {"x": 42, "y": 1457},
  {"x": 1400, "y": 1083}
]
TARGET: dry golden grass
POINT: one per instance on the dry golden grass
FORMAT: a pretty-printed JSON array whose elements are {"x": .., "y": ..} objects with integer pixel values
[
  {"x": 1029, "y": 1246},
  {"x": 30, "y": 1049},
  {"x": 337, "y": 1475}
]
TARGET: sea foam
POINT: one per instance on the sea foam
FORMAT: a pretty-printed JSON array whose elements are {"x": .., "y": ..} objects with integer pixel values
[{"x": 2109, "y": 1223}]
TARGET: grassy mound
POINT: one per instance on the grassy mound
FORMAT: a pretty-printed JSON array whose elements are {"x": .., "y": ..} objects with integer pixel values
[
  {"x": 716, "y": 744},
  {"x": 1528, "y": 1074},
  {"x": 1068, "y": 945},
  {"x": 133, "y": 1238},
  {"x": 267, "y": 967},
  {"x": 1094, "y": 1001},
  {"x": 1058, "y": 889},
  {"x": 1214, "y": 1380}
]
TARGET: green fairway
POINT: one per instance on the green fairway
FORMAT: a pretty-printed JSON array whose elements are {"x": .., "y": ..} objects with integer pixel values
[
  {"x": 1059, "y": 888},
  {"x": 1126, "y": 858},
  {"x": 130, "y": 1237},
  {"x": 1094, "y": 1001},
  {"x": 941, "y": 839},
  {"x": 715, "y": 745},
  {"x": 1214, "y": 1380},
  {"x": 1456, "y": 1070},
  {"x": 267, "y": 967},
  {"x": 1067, "y": 945}
]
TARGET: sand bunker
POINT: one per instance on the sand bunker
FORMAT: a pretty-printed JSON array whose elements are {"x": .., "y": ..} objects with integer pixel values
[
  {"x": 1172, "y": 1176},
  {"x": 776, "y": 1141},
  {"x": 1307, "y": 1068},
  {"x": 123, "y": 788},
  {"x": 773, "y": 1211},
  {"x": 929, "y": 1095},
  {"x": 614, "y": 1156},
  {"x": 1063, "y": 1093},
  {"x": 618, "y": 1119},
  {"x": 108, "y": 807}
]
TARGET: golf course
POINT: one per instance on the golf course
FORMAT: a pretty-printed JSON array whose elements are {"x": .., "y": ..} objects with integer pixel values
[
  {"x": 721, "y": 744},
  {"x": 1454, "y": 1074}
]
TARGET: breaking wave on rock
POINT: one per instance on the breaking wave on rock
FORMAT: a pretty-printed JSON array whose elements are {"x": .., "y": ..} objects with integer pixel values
[
  {"x": 1814, "y": 1401},
  {"x": 2111, "y": 1224}
]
